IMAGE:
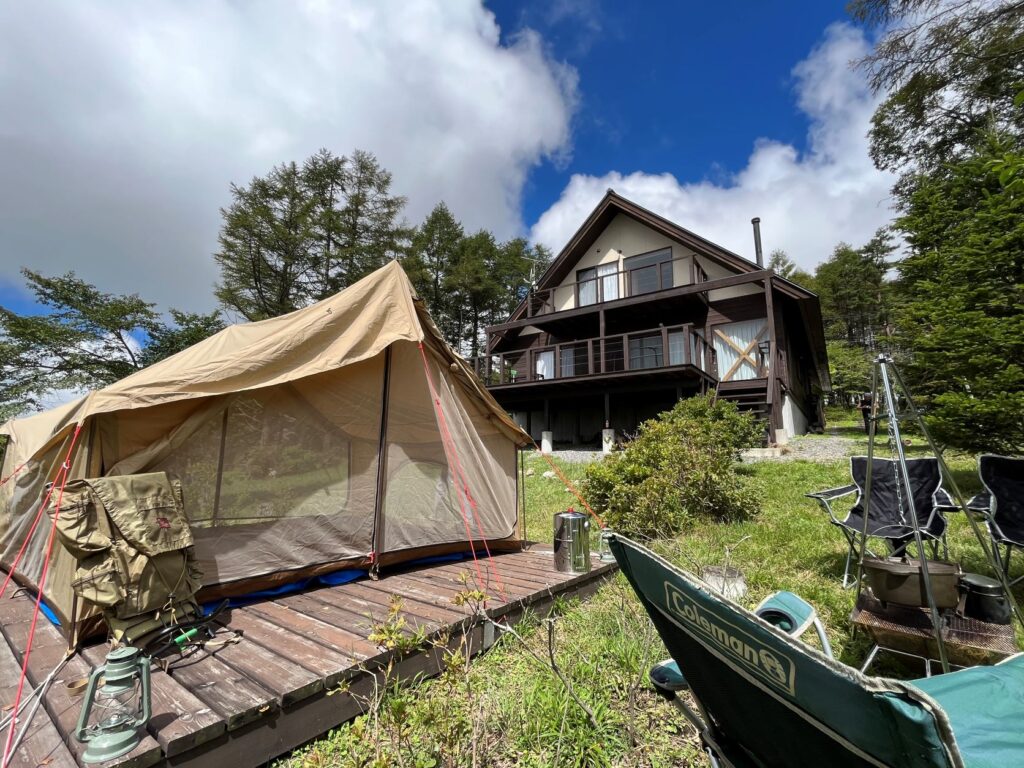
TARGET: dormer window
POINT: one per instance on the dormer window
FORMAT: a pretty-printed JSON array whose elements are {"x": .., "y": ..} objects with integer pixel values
[{"x": 649, "y": 272}]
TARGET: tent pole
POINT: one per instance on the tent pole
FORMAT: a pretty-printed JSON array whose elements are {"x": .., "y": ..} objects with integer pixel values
[{"x": 382, "y": 467}]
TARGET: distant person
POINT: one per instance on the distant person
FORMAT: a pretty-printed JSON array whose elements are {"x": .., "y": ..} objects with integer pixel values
[{"x": 865, "y": 410}]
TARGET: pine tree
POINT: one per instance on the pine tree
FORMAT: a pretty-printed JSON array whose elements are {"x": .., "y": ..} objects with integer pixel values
[
  {"x": 325, "y": 176},
  {"x": 369, "y": 231},
  {"x": 854, "y": 296},
  {"x": 474, "y": 289},
  {"x": 962, "y": 287},
  {"x": 299, "y": 235},
  {"x": 433, "y": 254},
  {"x": 951, "y": 72},
  {"x": 266, "y": 254}
]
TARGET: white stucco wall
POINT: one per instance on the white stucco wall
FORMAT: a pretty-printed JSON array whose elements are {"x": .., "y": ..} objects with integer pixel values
[
  {"x": 793, "y": 419},
  {"x": 622, "y": 238},
  {"x": 715, "y": 271}
]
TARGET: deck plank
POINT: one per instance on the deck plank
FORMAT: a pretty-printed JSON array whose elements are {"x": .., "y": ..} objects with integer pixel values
[
  {"x": 493, "y": 586},
  {"x": 43, "y": 745},
  {"x": 341, "y": 638},
  {"x": 336, "y": 615},
  {"x": 331, "y": 664},
  {"x": 48, "y": 648},
  {"x": 374, "y": 610},
  {"x": 401, "y": 585},
  {"x": 236, "y": 698},
  {"x": 378, "y": 592},
  {"x": 288, "y": 681}
]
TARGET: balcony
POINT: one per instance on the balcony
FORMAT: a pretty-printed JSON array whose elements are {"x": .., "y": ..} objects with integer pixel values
[
  {"x": 634, "y": 352},
  {"x": 614, "y": 285}
]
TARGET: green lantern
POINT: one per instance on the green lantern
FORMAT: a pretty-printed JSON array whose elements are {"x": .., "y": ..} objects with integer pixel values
[{"x": 121, "y": 704}]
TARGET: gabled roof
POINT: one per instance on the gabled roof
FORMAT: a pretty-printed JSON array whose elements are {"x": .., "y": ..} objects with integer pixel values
[
  {"x": 613, "y": 204},
  {"x": 610, "y": 206}
]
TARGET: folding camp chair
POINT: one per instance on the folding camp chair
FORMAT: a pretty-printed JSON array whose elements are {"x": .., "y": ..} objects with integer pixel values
[
  {"x": 888, "y": 513},
  {"x": 765, "y": 699},
  {"x": 1002, "y": 503}
]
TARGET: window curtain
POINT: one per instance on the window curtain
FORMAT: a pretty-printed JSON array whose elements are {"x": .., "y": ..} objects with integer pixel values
[
  {"x": 544, "y": 364},
  {"x": 568, "y": 362},
  {"x": 587, "y": 287},
  {"x": 676, "y": 341},
  {"x": 609, "y": 281},
  {"x": 697, "y": 351},
  {"x": 745, "y": 336}
]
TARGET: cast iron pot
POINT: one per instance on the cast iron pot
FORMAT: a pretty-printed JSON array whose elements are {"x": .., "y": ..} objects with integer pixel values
[
  {"x": 894, "y": 580},
  {"x": 983, "y": 599}
]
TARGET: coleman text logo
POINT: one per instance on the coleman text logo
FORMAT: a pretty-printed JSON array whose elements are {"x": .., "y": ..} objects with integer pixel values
[{"x": 755, "y": 657}]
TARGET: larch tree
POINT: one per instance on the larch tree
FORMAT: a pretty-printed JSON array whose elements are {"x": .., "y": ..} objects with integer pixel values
[
  {"x": 303, "y": 233},
  {"x": 433, "y": 254}
]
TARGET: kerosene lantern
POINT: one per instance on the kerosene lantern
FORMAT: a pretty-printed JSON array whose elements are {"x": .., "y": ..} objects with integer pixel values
[{"x": 121, "y": 703}]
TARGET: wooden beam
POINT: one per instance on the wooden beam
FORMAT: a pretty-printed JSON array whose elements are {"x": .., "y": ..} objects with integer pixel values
[
  {"x": 643, "y": 298},
  {"x": 772, "y": 341}
]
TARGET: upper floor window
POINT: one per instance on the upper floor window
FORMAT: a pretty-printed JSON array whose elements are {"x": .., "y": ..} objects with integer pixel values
[
  {"x": 649, "y": 271},
  {"x": 600, "y": 283}
]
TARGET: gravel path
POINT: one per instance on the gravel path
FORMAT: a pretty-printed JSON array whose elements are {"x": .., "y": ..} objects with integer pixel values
[
  {"x": 577, "y": 457},
  {"x": 823, "y": 448},
  {"x": 820, "y": 448}
]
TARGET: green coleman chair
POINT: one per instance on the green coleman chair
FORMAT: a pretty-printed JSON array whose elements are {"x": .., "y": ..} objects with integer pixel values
[{"x": 763, "y": 698}]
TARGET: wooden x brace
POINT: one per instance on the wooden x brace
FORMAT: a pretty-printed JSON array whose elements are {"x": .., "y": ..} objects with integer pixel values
[{"x": 744, "y": 355}]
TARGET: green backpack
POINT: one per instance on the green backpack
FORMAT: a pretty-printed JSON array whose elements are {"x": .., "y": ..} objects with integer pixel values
[{"x": 133, "y": 545}]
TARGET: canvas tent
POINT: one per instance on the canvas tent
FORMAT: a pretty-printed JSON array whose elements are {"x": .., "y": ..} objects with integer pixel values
[{"x": 343, "y": 434}]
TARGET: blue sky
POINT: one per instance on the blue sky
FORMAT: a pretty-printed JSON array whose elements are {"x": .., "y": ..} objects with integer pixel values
[
  {"x": 126, "y": 124},
  {"x": 678, "y": 87}
]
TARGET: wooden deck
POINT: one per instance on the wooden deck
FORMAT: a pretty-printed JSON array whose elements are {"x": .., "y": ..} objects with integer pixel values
[{"x": 304, "y": 664}]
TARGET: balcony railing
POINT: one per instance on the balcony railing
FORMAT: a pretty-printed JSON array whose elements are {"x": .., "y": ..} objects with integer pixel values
[
  {"x": 663, "y": 347},
  {"x": 615, "y": 285}
]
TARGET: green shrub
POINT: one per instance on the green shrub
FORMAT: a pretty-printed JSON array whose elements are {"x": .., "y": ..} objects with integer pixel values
[{"x": 679, "y": 468}]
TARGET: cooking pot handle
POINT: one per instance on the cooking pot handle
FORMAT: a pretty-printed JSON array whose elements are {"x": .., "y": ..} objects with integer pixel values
[{"x": 961, "y": 605}]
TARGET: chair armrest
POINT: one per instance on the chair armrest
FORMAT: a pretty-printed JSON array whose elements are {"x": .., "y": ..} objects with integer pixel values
[
  {"x": 980, "y": 503},
  {"x": 832, "y": 493},
  {"x": 944, "y": 502},
  {"x": 825, "y": 498}
]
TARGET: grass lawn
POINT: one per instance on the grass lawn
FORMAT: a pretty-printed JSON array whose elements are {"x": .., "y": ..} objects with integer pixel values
[{"x": 507, "y": 708}]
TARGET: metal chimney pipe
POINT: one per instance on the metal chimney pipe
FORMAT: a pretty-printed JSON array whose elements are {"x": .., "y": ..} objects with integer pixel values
[{"x": 758, "y": 253}]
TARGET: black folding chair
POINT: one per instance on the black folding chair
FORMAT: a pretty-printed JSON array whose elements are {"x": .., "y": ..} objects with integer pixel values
[
  {"x": 1002, "y": 504},
  {"x": 889, "y": 510}
]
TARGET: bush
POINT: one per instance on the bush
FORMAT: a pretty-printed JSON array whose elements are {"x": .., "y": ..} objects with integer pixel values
[{"x": 679, "y": 468}]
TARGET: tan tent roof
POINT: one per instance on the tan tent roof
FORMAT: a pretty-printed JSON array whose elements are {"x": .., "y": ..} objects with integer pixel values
[{"x": 351, "y": 326}]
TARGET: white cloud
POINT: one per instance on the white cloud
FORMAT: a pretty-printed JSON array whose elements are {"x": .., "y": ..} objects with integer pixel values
[
  {"x": 123, "y": 123},
  {"x": 807, "y": 201}
]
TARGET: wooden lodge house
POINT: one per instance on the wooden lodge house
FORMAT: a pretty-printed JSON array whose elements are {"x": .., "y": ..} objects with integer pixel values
[{"x": 637, "y": 312}]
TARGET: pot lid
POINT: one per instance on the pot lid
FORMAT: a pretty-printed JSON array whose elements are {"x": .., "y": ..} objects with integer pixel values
[{"x": 981, "y": 584}]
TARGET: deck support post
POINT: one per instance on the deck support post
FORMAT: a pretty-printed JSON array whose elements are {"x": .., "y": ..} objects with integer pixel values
[{"x": 769, "y": 307}]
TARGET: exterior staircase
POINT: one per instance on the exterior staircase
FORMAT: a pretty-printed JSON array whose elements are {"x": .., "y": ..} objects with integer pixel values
[{"x": 750, "y": 397}]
